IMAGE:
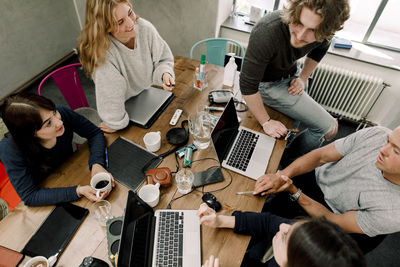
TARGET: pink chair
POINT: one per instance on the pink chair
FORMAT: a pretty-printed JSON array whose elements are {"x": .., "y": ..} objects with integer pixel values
[{"x": 69, "y": 84}]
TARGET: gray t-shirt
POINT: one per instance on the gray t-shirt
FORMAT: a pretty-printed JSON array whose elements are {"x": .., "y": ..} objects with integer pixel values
[{"x": 355, "y": 183}]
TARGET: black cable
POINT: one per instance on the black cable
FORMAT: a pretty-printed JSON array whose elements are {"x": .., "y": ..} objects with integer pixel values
[{"x": 202, "y": 191}]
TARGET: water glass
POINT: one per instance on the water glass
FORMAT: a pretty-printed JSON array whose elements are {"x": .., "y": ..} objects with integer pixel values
[
  {"x": 200, "y": 128},
  {"x": 184, "y": 181},
  {"x": 102, "y": 211}
]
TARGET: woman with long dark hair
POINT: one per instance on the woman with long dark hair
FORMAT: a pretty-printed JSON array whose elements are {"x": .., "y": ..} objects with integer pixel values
[
  {"x": 310, "y": 242},
  {"x": 39, "y": 140}
]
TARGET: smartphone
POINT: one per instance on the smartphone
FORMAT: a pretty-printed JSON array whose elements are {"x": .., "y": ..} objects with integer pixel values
[
  {"x": 208, "y": 177},
  {"x": 56, "y": 231}
]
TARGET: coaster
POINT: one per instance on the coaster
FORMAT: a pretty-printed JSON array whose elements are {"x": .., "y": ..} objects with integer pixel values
[{"x": 114, "y": 228}]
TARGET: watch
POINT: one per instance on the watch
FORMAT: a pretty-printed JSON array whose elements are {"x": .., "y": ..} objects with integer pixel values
[{"x": 295, "y": 196}]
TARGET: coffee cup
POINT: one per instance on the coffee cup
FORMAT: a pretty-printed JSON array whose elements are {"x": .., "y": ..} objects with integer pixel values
[
  {"x": 150, "y": 194},
  {"x": 101, "y": 182},
  {"x": 152, "y": 141},
  {"x": 38, "y": 261}
]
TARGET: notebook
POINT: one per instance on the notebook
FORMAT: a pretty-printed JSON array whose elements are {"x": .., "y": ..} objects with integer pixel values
[
  {"x": 127, "y": 160},
  {"x": 144, "y": 108},
  {"x": 146, "y": 239},
  {"x": 241, "y": 149}
]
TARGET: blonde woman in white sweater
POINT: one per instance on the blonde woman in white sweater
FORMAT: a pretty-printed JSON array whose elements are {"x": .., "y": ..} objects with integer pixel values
[{"x": 124, "y": 54}]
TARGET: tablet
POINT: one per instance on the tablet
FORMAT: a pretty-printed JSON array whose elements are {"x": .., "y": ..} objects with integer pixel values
[
  {"x": 208, "y": 177},
  {"x": 56, "y": 231}
]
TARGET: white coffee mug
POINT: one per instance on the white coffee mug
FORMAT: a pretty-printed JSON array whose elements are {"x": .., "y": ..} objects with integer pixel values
[
  {"x": 152, "y": 141},
  {"x": 150, "y": 194},
  {"x": 38, "y": 261},
  {"x": 101, "y": 182}
]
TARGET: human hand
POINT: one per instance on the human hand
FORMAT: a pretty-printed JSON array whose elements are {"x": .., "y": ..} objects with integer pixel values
[
  {"x": 274, "y": 128},
  {"x": 296, "y": 87},
  {"x": 209, "y": 217},
  {"x": 105, "y": 128},
  {"x": 90, "y": 193},
  {"x": 96, "y": 168},
  {"x": 211, "y": 262},
  {"x": 271, "y": 183},
  {"x": 168, "y": 81}
]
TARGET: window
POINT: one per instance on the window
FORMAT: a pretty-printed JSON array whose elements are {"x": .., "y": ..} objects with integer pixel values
[{"x": 371, "y": 22}]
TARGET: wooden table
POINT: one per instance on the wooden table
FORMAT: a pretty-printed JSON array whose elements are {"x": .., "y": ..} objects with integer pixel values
[{"x": 90, "y": 239}]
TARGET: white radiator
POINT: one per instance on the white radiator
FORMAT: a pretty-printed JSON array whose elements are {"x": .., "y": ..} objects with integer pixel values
[
  {"x": 233, "y": 48},
  {"x": 343, "y": 92}
]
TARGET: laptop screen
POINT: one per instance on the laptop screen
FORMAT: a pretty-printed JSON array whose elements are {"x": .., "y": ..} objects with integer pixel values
[
  {"x": 225, "y": 131},
  {"x": 136, "y": 236}
]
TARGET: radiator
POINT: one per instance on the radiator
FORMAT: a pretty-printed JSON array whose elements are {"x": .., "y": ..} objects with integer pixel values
[
  {"x": 233, "y": 48},
  {"x": 345, "y": 93}
]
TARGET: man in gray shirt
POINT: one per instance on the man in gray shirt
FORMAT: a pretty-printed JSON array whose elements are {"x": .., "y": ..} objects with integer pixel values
[
  {"x": 359, "y": 177},
  {"x": 270, "y": 75}
]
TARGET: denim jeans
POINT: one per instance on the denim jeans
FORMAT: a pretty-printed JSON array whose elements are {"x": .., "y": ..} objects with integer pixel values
[{"x": 301, "y": 108}]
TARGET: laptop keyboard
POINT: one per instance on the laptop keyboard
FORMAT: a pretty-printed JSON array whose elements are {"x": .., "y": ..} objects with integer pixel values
[
  {"x": 243, "y": 150},
  {"x": 170, "y": 239}
]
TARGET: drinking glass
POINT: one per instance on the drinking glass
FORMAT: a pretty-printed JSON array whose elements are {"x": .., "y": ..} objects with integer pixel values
[{"x": 200, "y": 127}]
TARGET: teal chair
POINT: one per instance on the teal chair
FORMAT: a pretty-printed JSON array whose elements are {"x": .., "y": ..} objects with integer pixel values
[{"x": 216, "y": 49}]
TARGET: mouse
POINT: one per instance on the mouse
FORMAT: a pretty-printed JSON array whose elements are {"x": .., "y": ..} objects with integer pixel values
[
  {"x": 211, "y": 201},
  {"x": 93, "y": 262}
]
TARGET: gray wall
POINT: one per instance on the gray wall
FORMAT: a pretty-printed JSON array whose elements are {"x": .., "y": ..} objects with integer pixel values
[
  {"x": 34, "y": 34},
  {"x": 180, "y": 22}
]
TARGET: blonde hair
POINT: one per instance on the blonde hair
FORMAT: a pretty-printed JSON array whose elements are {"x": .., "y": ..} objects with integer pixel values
[
  {"x": 333, "y": 13},
  {"x": 95, "y": 36}
]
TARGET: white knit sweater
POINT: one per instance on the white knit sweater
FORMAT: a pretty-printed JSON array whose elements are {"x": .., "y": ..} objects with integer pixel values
[{"x": 126, "y": 72}]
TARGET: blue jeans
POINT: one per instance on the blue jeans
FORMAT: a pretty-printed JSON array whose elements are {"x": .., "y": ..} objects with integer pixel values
[{"x": 301, "y": 108}]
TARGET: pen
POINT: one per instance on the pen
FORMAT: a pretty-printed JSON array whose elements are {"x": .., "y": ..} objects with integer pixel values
[
  {"x": 106, "y": 153},
  {"x": 244, "y": 193},
  {"x": 214, "y": 108}
]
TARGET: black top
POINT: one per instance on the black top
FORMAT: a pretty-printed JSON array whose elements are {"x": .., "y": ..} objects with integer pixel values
[
  {"x": 26, "y": 180},
  {"x": 270, "y": 56}
]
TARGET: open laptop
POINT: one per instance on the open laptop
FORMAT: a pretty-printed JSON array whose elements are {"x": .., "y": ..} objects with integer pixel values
[
  {"x": 241, "y": 149},
  {"x": 146, "y": 239},
  {"x": 144, "y": 108}
]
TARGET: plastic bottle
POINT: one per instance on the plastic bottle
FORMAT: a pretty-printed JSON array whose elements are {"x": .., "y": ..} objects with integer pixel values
[
  {"x": 197, "y": 78},
  {"x": 230, "y": 72},
  {"x": 202, "y": 65}
]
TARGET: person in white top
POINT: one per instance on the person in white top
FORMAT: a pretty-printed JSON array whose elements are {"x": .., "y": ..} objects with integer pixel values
[{"x": 124, "y": 55}]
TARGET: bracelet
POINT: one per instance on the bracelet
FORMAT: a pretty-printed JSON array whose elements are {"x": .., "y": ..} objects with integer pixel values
[
  {"x": 265, "y": 123},
  {"x": 295, "y": 196}
]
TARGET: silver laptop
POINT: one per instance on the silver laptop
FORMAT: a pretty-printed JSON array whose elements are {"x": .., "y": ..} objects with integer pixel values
[
  {"x": 241, "y": 149},
  {"x": 163, "y": 238},
  {"x": 144, "y": 108}
]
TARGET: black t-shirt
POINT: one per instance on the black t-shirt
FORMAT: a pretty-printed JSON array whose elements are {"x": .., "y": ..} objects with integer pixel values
[{"x": 270, "y": 56}]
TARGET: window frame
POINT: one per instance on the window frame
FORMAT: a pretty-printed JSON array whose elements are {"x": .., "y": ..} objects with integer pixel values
[{"x": 368, "y": 33}]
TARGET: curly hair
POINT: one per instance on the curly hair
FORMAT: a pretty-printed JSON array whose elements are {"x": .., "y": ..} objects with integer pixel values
[
  {"x": 318, "y": 242},
  {"x": 333, "y": 13},
  {"x": 95, "y": 39}
]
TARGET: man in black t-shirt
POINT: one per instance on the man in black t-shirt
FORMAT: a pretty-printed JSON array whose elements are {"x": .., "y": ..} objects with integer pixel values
[{"x": 270, "y": 75}]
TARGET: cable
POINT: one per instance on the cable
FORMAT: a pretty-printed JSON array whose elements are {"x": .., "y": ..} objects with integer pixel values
[{"x": 194, "y": 189}]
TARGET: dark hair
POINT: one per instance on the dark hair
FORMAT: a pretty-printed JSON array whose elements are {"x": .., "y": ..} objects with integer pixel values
[
  {"x": 333, "y": 13},
  {"x": 21, "y": 114},
  {"x": 318, "y": 242}
]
